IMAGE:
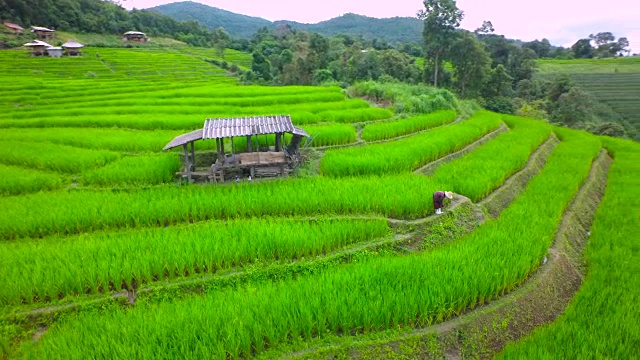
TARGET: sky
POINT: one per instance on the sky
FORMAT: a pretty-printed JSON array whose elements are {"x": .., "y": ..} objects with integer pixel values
[{"x": 563, "y": 22}]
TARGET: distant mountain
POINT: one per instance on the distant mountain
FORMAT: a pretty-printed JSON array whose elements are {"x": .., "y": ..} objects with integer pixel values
[
  {"x": 397, "y": 29},
  {"x": 236, "y": 25}
]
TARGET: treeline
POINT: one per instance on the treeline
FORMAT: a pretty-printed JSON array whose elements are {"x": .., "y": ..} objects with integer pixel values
[{"x": 102, "y": 17}]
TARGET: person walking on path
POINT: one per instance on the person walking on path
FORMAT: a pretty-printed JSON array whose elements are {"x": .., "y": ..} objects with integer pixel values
[{"x": 438, "y": 198}]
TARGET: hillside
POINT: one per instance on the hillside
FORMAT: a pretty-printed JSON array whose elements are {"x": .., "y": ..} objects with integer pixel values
[
  {"x": 397, "y": 29},
  {"x": 235, "y": 24},
  {"x": 107, "y": 251},
  {"x": 614, "y": 81}
]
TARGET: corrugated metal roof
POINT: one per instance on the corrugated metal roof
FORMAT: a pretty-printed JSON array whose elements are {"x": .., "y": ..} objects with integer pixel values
[
  {"x": 72, "y": 45},
  {"x": 298, "y": 131},
  {"x": 39, "y": 28},
  {"x": 13, "y": 26},
  {"x": 245, "y": 126},
  {"x": 184, "y": 139},
  {"x": 37, "y": 43},
  {"x": 134, "y": 33}
]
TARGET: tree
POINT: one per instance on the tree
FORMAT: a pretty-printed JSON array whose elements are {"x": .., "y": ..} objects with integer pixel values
[
  {"x": 499, "y": 83},
  {"x": 261, "y": 66},
  {"x": 441, "y": 18},
  {"x": 486, "y": 28},
  {"x": 522, "y": 64},
  {"x": 582, "y": 49},
  {"x": 220, "y": 41},
  {"x": 574, "y": 108},
  {"x": 541, "y": 48},
  {"x": 472, "y": 65},
  {"x": 606, "y": 44},
  {"x": 623, "y": 46}
]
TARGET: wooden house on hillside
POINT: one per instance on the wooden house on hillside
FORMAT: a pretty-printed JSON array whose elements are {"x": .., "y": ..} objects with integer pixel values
[
  {"x": 135, "y": 36},
  {"x": 43, "y": 33},
  {"x": 38, "y": 48},
  {"x": 257, "y": 160},
  {"x": 72, "y": 48},
  {"x": 12, "y": 28}
]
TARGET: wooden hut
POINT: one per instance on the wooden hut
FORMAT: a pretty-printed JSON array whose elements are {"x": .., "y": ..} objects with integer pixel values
[
  {"x": 135, "y": 36},
  {"x": 54, "y": 52},
  {"x": 12, "y": 28},
  {"x": 72, "y": 48},
  {"x": 38, "y": 48},
  {"x": 43, "y": 33},
  {"x": 264, "y": 161}
]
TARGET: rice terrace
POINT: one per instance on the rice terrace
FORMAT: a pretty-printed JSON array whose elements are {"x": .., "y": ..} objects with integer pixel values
[{"x": 166, "y": 199}]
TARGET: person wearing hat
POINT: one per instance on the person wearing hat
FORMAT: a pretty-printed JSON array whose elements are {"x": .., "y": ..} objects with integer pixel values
[{"x": 438, "y": 198}]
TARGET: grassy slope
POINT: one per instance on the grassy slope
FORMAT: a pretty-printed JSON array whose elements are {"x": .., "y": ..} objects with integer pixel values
[{"x": 616, "y": 82}]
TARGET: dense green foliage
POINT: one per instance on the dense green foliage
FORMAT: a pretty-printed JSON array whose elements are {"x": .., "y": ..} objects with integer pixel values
[{"x": 607, "y": 300}]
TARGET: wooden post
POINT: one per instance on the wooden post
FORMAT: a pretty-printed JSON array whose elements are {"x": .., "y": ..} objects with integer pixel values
[
  {"x": 278, "y": 142},
  {"x": 218, "y": 151},
  {"x": 233, "y": 147},
  {"x": 193, "y": 156},
  {"x": 224, "y": 158},
  {"x": 187, "y": 165},
  {"x": 248, "y": 143}
]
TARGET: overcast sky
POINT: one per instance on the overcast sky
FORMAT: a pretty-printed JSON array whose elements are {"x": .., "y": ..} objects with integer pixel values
[{"x": 561, "y": 21}]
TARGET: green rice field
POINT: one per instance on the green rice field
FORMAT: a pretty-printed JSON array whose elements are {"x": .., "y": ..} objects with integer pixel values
[
  {"x": 106, "y": 252},
  {"x": 615, "y": 81}
]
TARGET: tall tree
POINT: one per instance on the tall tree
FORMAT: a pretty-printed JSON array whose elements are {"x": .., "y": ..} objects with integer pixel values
[
  {"x": 582, "y": 49},
  {"x": 441, "y": 18},
  {"x": 221, "y": 40},
  {"x": 472, "y": 65},
  {"x": 486, "y": 28}
]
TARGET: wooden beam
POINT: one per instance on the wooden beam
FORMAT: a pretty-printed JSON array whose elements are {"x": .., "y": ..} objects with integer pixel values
[
  {"x": 278, "y": 142},
  {"x": 187, "y": 165},
  {"x": 248, "y": 143},
  {"x": 193, "y": 156}
]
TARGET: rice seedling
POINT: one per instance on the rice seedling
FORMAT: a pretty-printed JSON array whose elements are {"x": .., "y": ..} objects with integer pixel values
[
  {"x": 58, "y": 266},
  {"x": 494, "y": 161},
  {"x": 607, "y": 301},
  {"x": 85, "y": 210},
  {"x": 135, "y": 170},
  {"x": 123, "y": 140},
  {"x": 59, "y": 158},
  {"x": 409, "y": 153},
  {"x": 392, "y": 129},
  {"x": 386, "y": 292},
  {"x": 16, "y": 180}
]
